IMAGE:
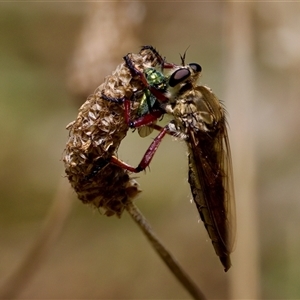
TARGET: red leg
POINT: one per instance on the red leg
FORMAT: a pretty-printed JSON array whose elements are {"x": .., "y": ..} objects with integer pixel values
[
  {"x": 101, "y": 163},
  {"x": 175, "y": 133},
  {"x": 147, "y": 119},
  {"x": 147, "y": 156},
  {"x": 135, "y": 72},
  {"x": 141, "y": 121},
  {"x": 163, "y": 63}
]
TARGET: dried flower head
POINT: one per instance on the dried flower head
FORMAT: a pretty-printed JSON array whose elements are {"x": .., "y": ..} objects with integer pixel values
[{"x": 95, "y": 136}]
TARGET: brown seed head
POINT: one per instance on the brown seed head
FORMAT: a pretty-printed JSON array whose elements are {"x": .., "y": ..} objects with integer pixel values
[{"x": 95, "y": 136}]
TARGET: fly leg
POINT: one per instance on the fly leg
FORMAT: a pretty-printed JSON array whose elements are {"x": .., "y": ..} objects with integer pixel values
[
  {"x": 172, "y": 130},
  {"x": 147, "y": 156},
  {"x": 144, "y": 120},
  {"x": 161, "y": 61},
  {"x": 97, "y": 166},
  {"x": 141, "y": 121},
  {"x": 157, "y": 93},
  {"x": 168, "y": 129}
]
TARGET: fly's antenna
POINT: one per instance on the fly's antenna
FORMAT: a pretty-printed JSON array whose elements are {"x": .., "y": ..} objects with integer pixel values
[{"x": 182, "y": 57}]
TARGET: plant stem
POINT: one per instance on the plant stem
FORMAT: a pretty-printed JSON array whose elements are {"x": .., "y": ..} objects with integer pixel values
[{"x": 174, "y": 267}]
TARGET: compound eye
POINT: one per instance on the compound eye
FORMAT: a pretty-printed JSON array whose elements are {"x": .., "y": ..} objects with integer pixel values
[
  {"x": 179, "y": 76},
  {"x": 195, "y": 67}
]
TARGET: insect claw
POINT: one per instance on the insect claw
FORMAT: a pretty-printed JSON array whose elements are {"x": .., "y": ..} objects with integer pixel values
[
  {"x": 139, "y": 169},
  {"x": 112, "y": 99},
  {"x": 134, "y": 71}
]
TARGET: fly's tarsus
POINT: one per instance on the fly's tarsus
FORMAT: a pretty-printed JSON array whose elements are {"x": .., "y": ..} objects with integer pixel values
[
  {"x": 112, "y": 99},
  {"x": 97, "y": 167}
]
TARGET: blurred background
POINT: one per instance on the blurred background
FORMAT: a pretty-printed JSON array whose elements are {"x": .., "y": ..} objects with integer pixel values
[{"x": 53, "y": 55}]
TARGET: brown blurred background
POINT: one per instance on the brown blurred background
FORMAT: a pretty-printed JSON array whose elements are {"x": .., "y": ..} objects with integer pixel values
[{"x": 53, "y": 55}]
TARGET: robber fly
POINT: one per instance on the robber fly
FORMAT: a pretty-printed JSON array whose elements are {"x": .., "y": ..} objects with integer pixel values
[{"x": 199, "y": 118}]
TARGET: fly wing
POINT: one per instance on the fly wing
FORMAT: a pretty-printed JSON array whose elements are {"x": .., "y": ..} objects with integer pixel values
[
  {"x": 210, "y": 177},
  {"x": 145, "y": 130},
  {"x": 229, "y": 192},
  {"x": 211, "y": 180}
]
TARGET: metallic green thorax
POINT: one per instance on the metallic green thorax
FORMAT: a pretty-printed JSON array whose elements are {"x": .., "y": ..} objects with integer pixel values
[{"x": 157, "y": 80}]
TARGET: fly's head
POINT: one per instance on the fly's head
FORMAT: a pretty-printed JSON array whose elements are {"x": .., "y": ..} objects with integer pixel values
[
  {"x": 184, "y": 77},
  {"x": 181, "y": 79}
]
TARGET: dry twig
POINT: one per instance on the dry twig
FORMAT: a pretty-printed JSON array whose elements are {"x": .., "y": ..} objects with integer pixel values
[{"x": 173, "y": 266}]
